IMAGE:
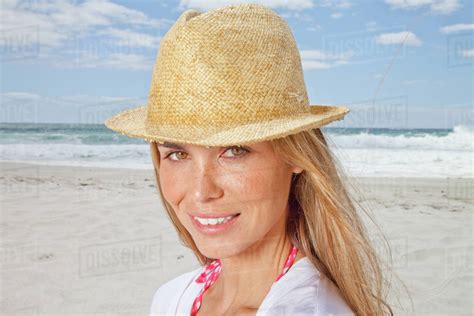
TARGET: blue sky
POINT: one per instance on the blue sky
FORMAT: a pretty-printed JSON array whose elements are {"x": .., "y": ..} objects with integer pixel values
[{"x": 397, "y": 63}]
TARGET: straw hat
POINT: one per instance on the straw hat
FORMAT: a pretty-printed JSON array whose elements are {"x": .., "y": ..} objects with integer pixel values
[{"x": 229, "y": 76}]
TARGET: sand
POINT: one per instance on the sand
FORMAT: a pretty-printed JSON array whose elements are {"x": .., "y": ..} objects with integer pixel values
[{"x": 91, "y": 241}]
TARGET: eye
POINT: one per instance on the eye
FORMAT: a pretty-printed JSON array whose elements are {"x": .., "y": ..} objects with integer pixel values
[
  {"x": 242, "y": 151},
  {"x": 236, "y": 150},
  {"x": 172, "y": 153}
]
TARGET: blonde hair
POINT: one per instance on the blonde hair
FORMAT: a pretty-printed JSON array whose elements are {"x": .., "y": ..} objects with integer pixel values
[{"x": 323, "y": 222}]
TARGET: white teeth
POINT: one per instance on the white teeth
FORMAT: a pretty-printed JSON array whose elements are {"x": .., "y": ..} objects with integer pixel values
[{"x": 213, "y": 221}]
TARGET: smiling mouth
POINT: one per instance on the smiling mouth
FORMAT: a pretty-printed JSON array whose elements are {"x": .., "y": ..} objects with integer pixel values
[{"x": 214, "y": 221}]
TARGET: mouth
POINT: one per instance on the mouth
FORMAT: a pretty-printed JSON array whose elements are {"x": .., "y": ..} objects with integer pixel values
[{"x": 214, "y": 225}]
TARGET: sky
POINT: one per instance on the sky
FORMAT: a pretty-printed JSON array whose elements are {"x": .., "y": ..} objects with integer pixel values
[{"x": 394, "y": 63}]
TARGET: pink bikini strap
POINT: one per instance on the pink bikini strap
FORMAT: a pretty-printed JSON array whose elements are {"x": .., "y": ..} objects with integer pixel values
[{"x": 212, "y": 272}]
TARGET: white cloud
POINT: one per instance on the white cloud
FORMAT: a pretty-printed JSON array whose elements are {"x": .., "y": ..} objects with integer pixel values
[
  {"x": 437, "y": 6},
  {"x": 335, "y": 4},
  {"x": 122, "y": 61},
  {"x": 455, "y": 28},
  {"x": 213, "y": 4},
  {"x": 371, "y": 26},
  {"x": 445, "y": 6},
  {"x": 317, "y": 59},
  {"x": 131, "y": 38},
  {"x": 468, "y": 53},
  {"x": 57, "y": 20},
  {"x": 412, "y": 82},
  {"x": 22, "y": 96},
  {"x": 318, "y": 54},
  {"x": 406, "y": 38},
  {"x": 32, "y": 108},
  {"x": 53, "y": 27},
  {"x": 336, "y": 15},
  {"x": 298, "y": 16},
  {"x": 314, "y": 28},
  {"x": 127, "y": 61},
  {"x": 315, "y": 64}
]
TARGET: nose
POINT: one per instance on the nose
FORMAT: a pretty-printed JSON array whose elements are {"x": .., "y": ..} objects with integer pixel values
[{"x": 205, "y": 184}]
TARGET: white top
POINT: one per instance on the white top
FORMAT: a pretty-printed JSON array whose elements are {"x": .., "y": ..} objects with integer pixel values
[{"x": 302, "y": 290}]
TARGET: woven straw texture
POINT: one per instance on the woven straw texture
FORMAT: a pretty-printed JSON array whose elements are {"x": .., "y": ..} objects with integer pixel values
[{"x": 228, "y": 76}]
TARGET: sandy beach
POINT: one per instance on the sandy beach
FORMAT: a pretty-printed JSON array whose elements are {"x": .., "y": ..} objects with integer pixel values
[{"x": 91, "y": 241}]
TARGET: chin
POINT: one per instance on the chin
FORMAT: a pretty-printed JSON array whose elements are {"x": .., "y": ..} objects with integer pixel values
[{"x": 218, "y": 250}]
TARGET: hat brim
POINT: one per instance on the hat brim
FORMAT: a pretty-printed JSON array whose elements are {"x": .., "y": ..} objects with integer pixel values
[{"x": 132, "y": 123}]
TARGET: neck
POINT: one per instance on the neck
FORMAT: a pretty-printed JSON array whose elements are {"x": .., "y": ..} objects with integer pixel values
[{"x": 245, "y": 279}]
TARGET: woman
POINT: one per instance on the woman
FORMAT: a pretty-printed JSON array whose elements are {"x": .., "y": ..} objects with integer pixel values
[{"x": 246, "y": 175}]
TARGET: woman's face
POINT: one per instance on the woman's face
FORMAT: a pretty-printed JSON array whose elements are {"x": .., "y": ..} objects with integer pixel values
[{"x": 217, "y": 182}]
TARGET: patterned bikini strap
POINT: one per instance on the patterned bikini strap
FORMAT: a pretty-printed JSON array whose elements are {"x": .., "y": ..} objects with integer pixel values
[
  {"x": 209, "y": 269},
  {"x": 212, "y": 271}
]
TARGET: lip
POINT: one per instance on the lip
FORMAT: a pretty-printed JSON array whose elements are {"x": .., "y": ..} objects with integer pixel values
[
  {"x": 212, "y": 215},
  {"x": 214, "y": 229}
]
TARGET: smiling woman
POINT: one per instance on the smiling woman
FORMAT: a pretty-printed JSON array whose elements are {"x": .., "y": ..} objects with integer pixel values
[
  {"x": 247, "y": 178},
  {"x": 271, "y": 205}
]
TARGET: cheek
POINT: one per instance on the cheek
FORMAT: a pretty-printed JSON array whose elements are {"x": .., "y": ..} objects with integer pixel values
[
  {"x": 260, "y": 187},
  {"x": 171, "y": 186}
]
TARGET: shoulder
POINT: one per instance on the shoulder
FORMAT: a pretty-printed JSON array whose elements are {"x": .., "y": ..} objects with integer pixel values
[
  {"x": 171, "y": 291},
  {"x": 330, "y": 300},
  {"x": 305, "y": 291}
]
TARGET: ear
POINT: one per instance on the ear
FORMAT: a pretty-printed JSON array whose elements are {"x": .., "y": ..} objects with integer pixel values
[{"x": 296, "y": 170}]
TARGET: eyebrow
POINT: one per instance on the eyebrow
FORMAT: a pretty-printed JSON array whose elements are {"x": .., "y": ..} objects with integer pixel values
[
  {"x": 170, "y": 145},
  {"x": 176, "y": 146}
]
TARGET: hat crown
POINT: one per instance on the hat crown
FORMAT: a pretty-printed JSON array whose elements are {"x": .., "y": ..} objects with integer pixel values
[{"x": 226, "y": 67}]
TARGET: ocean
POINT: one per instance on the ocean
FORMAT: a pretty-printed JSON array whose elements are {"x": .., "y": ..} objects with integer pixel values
[{"x": 362, "y": 152}]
